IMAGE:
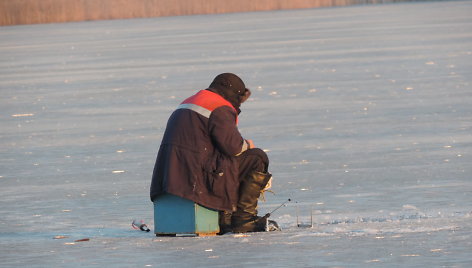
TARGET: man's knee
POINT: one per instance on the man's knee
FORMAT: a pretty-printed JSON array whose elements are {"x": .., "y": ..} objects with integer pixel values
[{"x": 260, "y": 156}]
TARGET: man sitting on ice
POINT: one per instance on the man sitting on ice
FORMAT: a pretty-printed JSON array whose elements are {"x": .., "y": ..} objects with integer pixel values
[{"x": 204, "y": 158}]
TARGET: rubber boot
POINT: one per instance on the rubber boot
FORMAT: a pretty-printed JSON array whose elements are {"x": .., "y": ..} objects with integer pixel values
[
  {"x": 224, "y": 221},
  {"x": 245, "y": 218}
]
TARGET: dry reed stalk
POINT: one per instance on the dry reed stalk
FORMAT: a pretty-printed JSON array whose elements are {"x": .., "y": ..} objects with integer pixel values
[{"x": 46, "y": 11}]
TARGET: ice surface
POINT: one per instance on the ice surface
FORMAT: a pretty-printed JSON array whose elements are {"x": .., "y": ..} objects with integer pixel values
[{"x": 365, "y": 113}]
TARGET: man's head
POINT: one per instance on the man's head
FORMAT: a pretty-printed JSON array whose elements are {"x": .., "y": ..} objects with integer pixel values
[{"x": 232, "y": 88}]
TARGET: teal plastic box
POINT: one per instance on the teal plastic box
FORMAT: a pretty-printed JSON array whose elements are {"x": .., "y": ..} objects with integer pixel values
[{"x": 174, "y": 215}]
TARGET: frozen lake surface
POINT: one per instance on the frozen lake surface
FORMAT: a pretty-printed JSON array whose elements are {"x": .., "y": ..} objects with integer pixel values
[{"x": 365, "y": 111}]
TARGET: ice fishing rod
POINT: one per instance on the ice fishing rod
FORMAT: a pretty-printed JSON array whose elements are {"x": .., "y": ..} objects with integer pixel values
[{"x": 281, "y": 205}]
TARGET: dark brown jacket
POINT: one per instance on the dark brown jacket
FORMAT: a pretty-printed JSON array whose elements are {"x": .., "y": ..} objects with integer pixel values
[{"x": 196, "y": 159}]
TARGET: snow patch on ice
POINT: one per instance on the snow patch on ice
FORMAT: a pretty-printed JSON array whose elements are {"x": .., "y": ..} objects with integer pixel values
[{"x": 399, "y": 222}]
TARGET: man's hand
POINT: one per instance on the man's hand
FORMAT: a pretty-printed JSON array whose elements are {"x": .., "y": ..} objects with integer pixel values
[{"x": 250, "y": 143}]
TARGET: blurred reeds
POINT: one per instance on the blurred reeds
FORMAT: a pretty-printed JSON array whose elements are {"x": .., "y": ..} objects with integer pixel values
[{"x": 14, "y": 12}]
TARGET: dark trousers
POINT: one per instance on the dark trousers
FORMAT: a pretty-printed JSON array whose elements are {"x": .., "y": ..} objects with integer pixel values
[
  {"x": 249, "y": 161},
  {"x": 252, "y": 160}
]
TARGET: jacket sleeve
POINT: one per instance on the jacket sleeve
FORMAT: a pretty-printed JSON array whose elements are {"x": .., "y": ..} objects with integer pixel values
[{"x": 224, "y": 131}]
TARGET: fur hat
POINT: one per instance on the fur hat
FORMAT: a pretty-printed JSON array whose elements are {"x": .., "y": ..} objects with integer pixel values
[{"x": 232, "y": 88}]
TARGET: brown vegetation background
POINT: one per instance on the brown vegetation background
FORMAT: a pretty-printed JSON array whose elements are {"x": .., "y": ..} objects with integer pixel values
[{"x": 46, "y": 11}]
